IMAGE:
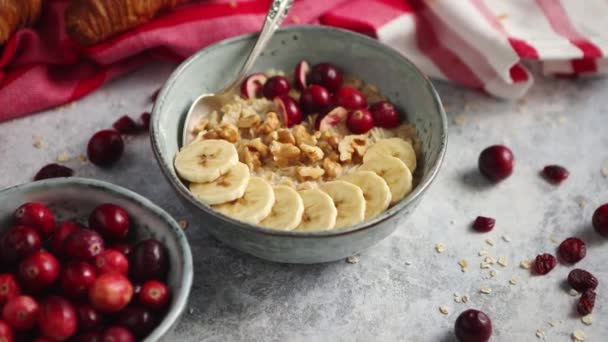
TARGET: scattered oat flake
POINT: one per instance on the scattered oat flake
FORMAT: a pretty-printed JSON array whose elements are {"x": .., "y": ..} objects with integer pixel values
[
  {"x": 503, "y": 262},
  {"x": 490, "y": 242},
  {"x": 554, "y": 240},
  {"x": 457, "y": 300},
  {"x": 493, "y": 273},
  {"x": 484, "y": 265},
  {"x": 460, "y": 120},
  {"x": 483, "y": 253},
  {"x": 464, "y": 299},
  {"x": 525, "y": 264},
  {"x": 63, "y": 157},
  {"x": 578, "y": 336},
  {"x": 573, "y": 292},
  {"x": 540, "y": 334},
  {"x": 551, "y": 323},
  {"x": 485, "y": 290},
  {"x": 605, "y": 171},
  {"x": 443, "y": 310},
  {"x": 38, "y": 143},
  {"x": 183, "y": 224},
  {"x": 440, "y": 248},
  {"x": 506, "y": 238},
  {"x": 582, "y": 202},
  {"x": 464, "y": 265},
  {"x": 408, "y": 263},
  {"x": 489, "y": 260},
  {"x": 352, "y": 259},
  {"x": 587, "y": 320},
  {"x": 513, "y": 281}
]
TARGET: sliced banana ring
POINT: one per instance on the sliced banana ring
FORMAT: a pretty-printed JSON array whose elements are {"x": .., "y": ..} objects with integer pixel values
[
  {"x": 348, "y": 199},
  {"x": 205, "y": 160},
  {"x": 394, "y": 172},
  {"x": 394, "y": 147},
  {"x": 376, "y": 192},
  {"x": 319, "y": 211},
  {"x": 255, "y": 204},
  {"x": 228, "y": 187},
  {"x": 286, "y": 213}
]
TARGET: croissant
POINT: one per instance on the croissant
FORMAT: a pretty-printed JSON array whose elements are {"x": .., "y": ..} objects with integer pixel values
[
  {"x": 92, "y": 21},
  {"x": 16, "y": 14}
]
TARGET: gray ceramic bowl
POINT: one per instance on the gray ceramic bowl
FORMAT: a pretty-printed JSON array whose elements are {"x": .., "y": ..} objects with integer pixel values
[
  {"x": 210, "y": 69},
  {"x": 74, "y": 198}
]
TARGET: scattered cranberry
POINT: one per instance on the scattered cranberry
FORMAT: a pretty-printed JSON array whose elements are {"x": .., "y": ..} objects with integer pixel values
[
  {"x": 37, "y": 216},
  {"x": 301, "y": 74},
  {"x": 581, "y": 280},
  {"x": 21, "y": 313},
  {"x": 6, "y": 333},
  {"x": 105, "y": 148},
  {"x": 61, "y": 233},
  {"x": 125, "y": 125},
  {"x": 139, "y": 320},
  {"x": 484, "y": 224},
  {"x": 385, "y": 114},
  {"x": 288, "y": 109},
  {"x": 111, "y": 221},
  {"x": 117, "y": 334},
  {"x": 57, "y": 319},
  {"x": 9, "y": 288},
  {"x": 496, "y": 162},
  {"x": 314, "y": 99},
  {"x": 121, "y": 247},
  {"x": 154, "y": 295},
  {"x": 555, "y": 173},
  {"x": 111, "y": 292},
  {"x": 148, "y": 261},
  {"x": 144, "y": 121},
  {"x": 53, "y": 171},
  {"x": 327, "y": 75},
  {"x": 600, "y": 220},
  {"x": 88, "y": 318},
  {"x": 111, "y": 261},
  {"x": 18, "y": 243},
  {"x": 360, "y": 121},
  {"x": 586, "y": 303},
  {"x": 572, "y": 250},
  {"x": 83, "y": 244},
  {"x": 252, "y": 86},
  {"x": 473, "y": 326},
  {"x": 544, "y": 263},
  {"x": 349, "y": 98},
  {"x": 76, "y": 279},
  {"x": 38, "y": 271},
  {"x": 276, "y": 86}
]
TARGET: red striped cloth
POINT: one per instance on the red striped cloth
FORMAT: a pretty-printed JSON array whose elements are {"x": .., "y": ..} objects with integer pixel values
[{"x": 477, "y": 43}]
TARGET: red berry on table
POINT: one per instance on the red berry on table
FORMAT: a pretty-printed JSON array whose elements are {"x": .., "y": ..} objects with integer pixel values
[
  {"x": 148, "y": 261},
  {"x": 83, "y": 244},
  {"x": 582, "y": 280},
  {"x": 37, "y": 216},
  {"x": 572, "y": 250},
  {"x": 6, "y": 332},
  {"x": 154, "y": 295},
  {"x": 53, "y": 171},
  {"x": 276, "y": 86},
  {"x": 327, "y": 75},
  {"x": 18, "y": 243},
  {"x": 252, "y": 86},
  {"x": 21, "y": 313},
  {"x": 385, "y": 114},
  {"x": 544, "y": 263},
  {"x": 360, "y": 121},
  {"x": 314, "y": 99},
  {"x": 61, "y": 233},
  {"x": 301, "y": 75},
  {"x": 111, "y": 292},
  {"x": 105, "y": 148},
  {"x": 586, "y": 303},
  {"x": 125, "y": 125},
  {"x": 484, "y": 224},
  {"x": 57, "y": 319},
  {"x": 349, "y": 98},
  {"x": 9, "y": 288},
  {"x": 555, "y": 174},
  {"x": 88, "y": 317},
  {"x": 110, "y": 261},
  {"x": 111, "y": 221},
  {"x": 496, "y": 162},
  {"x": 600, "y": 220},
  {"x": 473, "y": 326},
  {"x": 139, "y": 320},
  {"x": 76, "y": 279},
  {"x": 288, "y": 110},
  {"x": 38, "y": 271},
  {"x": 117, "y": 334},
  {"x": 144, "y": 121}
]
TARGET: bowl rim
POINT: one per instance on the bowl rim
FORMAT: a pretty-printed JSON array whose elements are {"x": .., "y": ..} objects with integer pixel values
[
  {"x": 185, "y": 283},
  {"x": 177, "y": 184}
]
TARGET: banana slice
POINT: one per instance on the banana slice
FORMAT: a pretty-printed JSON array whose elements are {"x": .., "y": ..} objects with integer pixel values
[
  {"x": 206, "y": 160},
  {"x": 287, "y": 211},
  {"x": 375, "y": 190},
  {"x": 394, "y": 172},
  {"x": 319, "y": 211},
  {"x": 255, "y": 204},
  {"x": 394, "y": 147},
  {"x": 348, "y": 199},
  {"x": 228, "y": 187}
]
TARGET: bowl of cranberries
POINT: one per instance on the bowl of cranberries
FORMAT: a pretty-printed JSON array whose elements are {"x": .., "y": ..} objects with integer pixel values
[{"x": 85, "y": 260}]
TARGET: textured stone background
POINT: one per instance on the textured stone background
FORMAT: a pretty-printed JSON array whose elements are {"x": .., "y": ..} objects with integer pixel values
[{"x": 394, "y": 292}]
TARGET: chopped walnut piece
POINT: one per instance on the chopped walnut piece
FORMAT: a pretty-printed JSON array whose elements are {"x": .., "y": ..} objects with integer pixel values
[
  {"x": 308, "y": 173},
  {"x": 353, "y": 144},
  {"x": 249, "y": 121},
  {"x": 250, "y": 158},
  {"x": 284, "y": 136},
  {"x": 271, "y": 123},
  {"x": 225, "y": 131},
  {"x": 258, "y": 146},
  {"x": 312, "y": 153},
  {"x": 332, "y": 168},
  {"x": 284, "y": 153},
  {"x": 302, "y": 136}
]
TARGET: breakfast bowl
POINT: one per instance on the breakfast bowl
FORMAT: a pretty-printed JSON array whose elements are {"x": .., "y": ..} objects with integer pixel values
[
  {"x": 72, "y": 199},
  {"x": 396, "y": 77}
]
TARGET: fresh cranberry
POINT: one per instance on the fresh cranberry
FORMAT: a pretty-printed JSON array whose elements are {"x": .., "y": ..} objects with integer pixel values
[
  {"x": 18, "y": 243},
  {"x": 105, "y": 148},
  {"x": 555, "y": 174},
  {"x": 148, "y": 261},
  {"x": 600, "y": 220},
  {"x": 53, "y": 171},
  {"x": 484, "y": 224},
  {"x": 6, "y": 333},
  {"x": 61, "y": 233},
  {"x": 38, "y": 271},
  {"x": 76, "y": 279},
  {"x": 360, "y": 121},
  {"x": 88, "y": 318},
  {"x": 252, "y": 86},
  {"x": 125, "y": 125},
  {"x": 117, "y": 334},
  {"x": 544, "y": 263},
  {"x": 301, "y": 74},
  {"x": 276, "y": 86},
  {"x": 37, "y": 216},
  {"x": 334, "y": 117},
  {"x": 586, "y": 303},
  {"x": 144, "y": 121},
  {"x": 83, "y": 244},
  {"x": 88, "y": 336},
  {"x": 139, "y": 320},
  {"x": 110, "y": 220},
  {"x": 349, "y": 98},
  {"x": 288, "y": 109},
  {"x": 111, "y": 292},
  {"x": 154, "y": 295},
  {"x": 111, "y": 261},
  {"x": 581, "y": 280},
  {"x": 57, "y": 319},
  {"x": 327, "y": 75},
  {"x": 572, "y": 250},
  {"x": 314, "y": 99},
  {"x": 496, "y": 162},
  {"x": 473, "y": 326},
  {"x": 21, "y": 313},
  {"x": 9, "y": 288},
  {"x": 385, "y": 114},
  {"x": 121, "y": 247}
]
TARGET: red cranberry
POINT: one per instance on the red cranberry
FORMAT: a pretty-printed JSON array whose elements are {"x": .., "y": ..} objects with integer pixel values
[
  {"x": 484, "y": 224},
  {"x": 88, "y": 318},
  {"x": 125, "y": 125},
  {"x": 57, "y": 319},
  {"x": 555, "y": 174},
  {"x": 252, "y": 86},
  {"x": 276, "y": 86},
  {"x": 144, "y": 121},
  {"x": 139, "y": 320},
  {"x": 154, "y": 295},
  {"x": 61, "y": 233},
  {"x": 121, "y": 247},
  {"x": 117, "y": 334},
  {"x": 332, "y": 118},
  {"x": 53, "y": 171},
  {"x": 327, "y": 75},
  {"x": 301, "y": 75},
  {"x": 473, "y": 326},
  {"x": 38, "y": 271},
  {"x": 496, "y": 162},
  {"x": 314, "y": 99},
  {"x": 544, "y": 263},
  {"x": 586, "y": 303},
  {"x": 385, "y": 114},
  {"x": 37, "y": 216},
  {"x": 111, "y": 261},
  {"x": 111, "y": 292},
  {"x": 349, "y": 98},
  {"x": 600, "y": 220},
  {"x": 9, "y": 288},
  {"x": 105, "y": 148},
  {"x": 83, "y": 244},
  {"x": 581, "y": 280},
  {"x": 148, "y": 261},
  {"x": 288, "y": 109},
  {"x": 89, "y": 336},
  {"x": 360, "y": 121},
  {"x": 6, "y": 333},
  {"x": 572, "y": 250},
  {"x": 21, "y": 313},
  {"x": 110, "y": 220},
  {"x": 76, "y": 279},
  {"x": 18, "y": 243}
]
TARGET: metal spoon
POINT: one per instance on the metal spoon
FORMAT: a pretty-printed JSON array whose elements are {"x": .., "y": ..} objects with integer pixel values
[{"x": 207, "y": 103}]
